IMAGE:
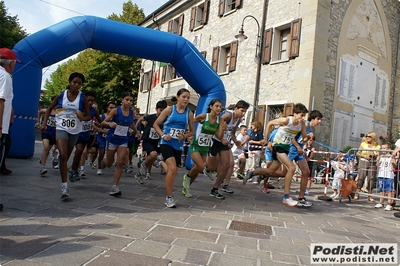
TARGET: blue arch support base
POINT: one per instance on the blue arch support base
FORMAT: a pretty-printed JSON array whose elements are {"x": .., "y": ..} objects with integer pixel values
[{"x": 73, "y": 35}]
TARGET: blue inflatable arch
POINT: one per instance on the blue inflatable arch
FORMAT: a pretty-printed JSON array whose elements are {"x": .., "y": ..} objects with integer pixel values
[{"x": 73, "y": 35}]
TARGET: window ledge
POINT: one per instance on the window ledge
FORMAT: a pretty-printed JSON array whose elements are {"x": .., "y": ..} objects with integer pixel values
[
  {"x": 229, "y": 12},
  {"x": 198, "y": 27},
  {"x": 278, "y": 61},
  {"x": 223, "y": 73}
]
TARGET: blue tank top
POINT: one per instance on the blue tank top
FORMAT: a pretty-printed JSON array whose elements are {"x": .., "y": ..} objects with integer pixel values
[
  {"x": 119, "y": 135},
  {"x": 175, "y": 124},
  {"x": 87, "y": 126}
]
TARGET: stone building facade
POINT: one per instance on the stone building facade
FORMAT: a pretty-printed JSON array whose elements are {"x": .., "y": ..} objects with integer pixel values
[{"x": 340, "y": 57}]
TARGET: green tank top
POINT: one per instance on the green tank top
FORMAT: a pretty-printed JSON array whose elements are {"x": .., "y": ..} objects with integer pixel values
[{"x": 205, "y": 132}]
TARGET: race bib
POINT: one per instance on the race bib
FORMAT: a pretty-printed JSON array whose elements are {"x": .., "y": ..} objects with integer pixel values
[
  {"x": 51, "y": 122},
  {"x": 121, "y": 131},
  {"x": 69, "y": 121},
  {"x": 153, "y": 134},
  {"x": 204, "y": 140},
  {"x": 287, "y": 140},
  {"x": 87, "y": 126},
  {"x": 227, "y": 136},
  {"x": 175, "y": 132}
]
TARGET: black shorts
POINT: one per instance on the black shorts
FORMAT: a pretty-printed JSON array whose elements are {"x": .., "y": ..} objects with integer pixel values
[
  {"x": 276, "y": 150},
  {"x": 167, "y": 152},
  {"x": 217, "y": 146},
  {"x": 149, "y": 147},
  {"x": 82, "y": 141},
  {"x": 52, "y": 141}
]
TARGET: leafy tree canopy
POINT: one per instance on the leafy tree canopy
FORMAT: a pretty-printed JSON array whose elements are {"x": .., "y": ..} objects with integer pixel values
[{"x": 11, "y": 31}]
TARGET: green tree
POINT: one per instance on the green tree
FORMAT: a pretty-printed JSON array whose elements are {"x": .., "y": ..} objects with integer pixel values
[
  {"x": 106, "y": 74},
  {"x": 11, "y": 31}
]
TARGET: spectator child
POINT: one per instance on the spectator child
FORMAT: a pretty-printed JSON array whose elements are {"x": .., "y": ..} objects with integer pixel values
[
  {"x": 238, "y": 153},
  {"x": 340, "y": 168},
  {"x": 386, "y": 163}
]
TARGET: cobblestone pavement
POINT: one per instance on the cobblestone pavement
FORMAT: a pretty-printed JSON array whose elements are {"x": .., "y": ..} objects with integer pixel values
[{"x": 94, "y": 228}]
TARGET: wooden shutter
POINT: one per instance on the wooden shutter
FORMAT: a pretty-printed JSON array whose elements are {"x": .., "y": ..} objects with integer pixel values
[
  {"x": 180, "y": 25},
  {"x": 288, "y": 109},
  {"x": 267, "y": 44},
  {"x": 192, "y": 18},
  {"x": 173, "y": 74},
  {"x": 232, "y": 58},
  {"x": 238, "y": 4},
  {"x": 295, "y": 30},
  {"x": 150, "y": 78},
  {"x": 214, "y": 60},
  {"x": 170, "y": 23},
  {"x": 141, "y": 83},
  {"x": 221, "y": 8},
  {"x": 164, "y": 74},
  {"x": 206, "y": 9},
  {"x": 260, "y": 114},
  {"x": 204, "y": 54}
]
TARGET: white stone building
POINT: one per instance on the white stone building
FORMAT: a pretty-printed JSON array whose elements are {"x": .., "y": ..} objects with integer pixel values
[{"x": 339, "y": 57}]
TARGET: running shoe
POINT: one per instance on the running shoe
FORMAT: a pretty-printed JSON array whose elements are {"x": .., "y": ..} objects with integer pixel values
[
  {"x": 115, "y": 191},
  {"x": 43, "y": 171},
  {"x": 248, "y": 176},
  {"x": 264, "y": 189},
  {"x": 169, "y": 202},
  {"x": 139, "y": 178},
  {"x": 82, "y": 173},
  {"x": 304, "y": 203},
  {"x": 65, "y": 193},
  {"x": 186, "y": 193},
  {"x": 143, "y": 169},
  {"x": 227, "y": 189},
  {"x": 240, "y": 176},
  {"x": 56, "y": 167},
  {"x": 90, "y": 164},
  {"x": 148, "y": 176},
  {"x": 389, "y": 207},
  {"x": 208, "y": 174},
  {"x": 216, "y": 194},
  {"x": 186, "y": 181},
  {"x": 99, "y": 172},
  {"x": 379, "y": 205},
  {"x": 289, "y": 202}
]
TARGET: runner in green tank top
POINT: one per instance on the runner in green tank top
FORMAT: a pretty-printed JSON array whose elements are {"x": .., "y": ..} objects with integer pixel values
[{"x": 201, "y": 142}]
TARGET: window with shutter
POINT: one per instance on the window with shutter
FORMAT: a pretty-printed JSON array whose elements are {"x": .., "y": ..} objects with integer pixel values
[
  {"x": 180, "y": 24},
  {"x": 170, "y": 24},
  {"x": 266, "y": 55},
  {"x": 168, "y": 73},
  {"x": 285, "y": 42},
  {"x": 295, "y": 28},
  {"x": 146, "y": 82},
  {"x": 192, "y": 18},
  {"x": 288, "y": 109},
  {"x": 233, "y": 55},
  {"x": 260, "y": 114},
  {"x": 221, "y": 8},
  {"x": 206, "y": 9},
  {"x": 215, "y": 57}
]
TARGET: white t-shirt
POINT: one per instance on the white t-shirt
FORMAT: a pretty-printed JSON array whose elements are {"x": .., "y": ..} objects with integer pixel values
[
  {"x": 397, "y": 143},
  {"x": 235, "y": 150},
  {"x": 6, "y": 93}
]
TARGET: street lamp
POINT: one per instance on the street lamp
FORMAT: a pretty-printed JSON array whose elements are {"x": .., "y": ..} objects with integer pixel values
[{"x": 241, "y": 37}]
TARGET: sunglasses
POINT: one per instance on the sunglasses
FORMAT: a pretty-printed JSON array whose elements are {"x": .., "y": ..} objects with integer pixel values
[{"x": 368, "y": 136}]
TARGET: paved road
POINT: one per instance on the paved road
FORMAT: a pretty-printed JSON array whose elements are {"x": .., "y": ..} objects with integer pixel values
[{"x": 94, "y": 228}]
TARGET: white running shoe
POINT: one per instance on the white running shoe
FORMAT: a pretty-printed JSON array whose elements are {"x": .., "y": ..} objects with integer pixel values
[
  {"x": 169, "y": 202},
  {"x": 43, "y": 171},
  {"x": 65, "y": 193},
  {"x": 99, "y": 172},
  {"x": 148, "y": 176},
  {"x": 115, "y": 191},
  {"x": 289, "y": 202},
  {"x": 379, "y": 205},
  {"x": 388, "y": 207}
]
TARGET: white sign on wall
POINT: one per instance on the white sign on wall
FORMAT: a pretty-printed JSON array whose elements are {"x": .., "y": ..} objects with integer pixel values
[{"x": 341, "y": 129}]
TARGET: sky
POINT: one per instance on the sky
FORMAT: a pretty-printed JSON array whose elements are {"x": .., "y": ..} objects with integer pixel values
[{"x": 35, "y": 15}]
